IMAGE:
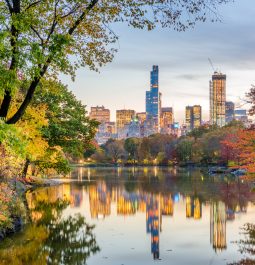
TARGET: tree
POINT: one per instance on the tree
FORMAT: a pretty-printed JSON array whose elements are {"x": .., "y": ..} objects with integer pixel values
[
  {"x": 114, "y": 149},
  {"x": 184, "y": 150},
  {"x": 131, "y": 145},
  {"x": 251, "y": 100},
  {"x": 243, "y": 144},
  {"x": 39, "y": 37},
  {"x": 68, "y": 124}
]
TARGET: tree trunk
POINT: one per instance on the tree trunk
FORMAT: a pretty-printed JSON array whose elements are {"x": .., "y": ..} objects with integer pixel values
[
  {"x": 5, "y": 105},
  {"x": 25, "y": 169}
]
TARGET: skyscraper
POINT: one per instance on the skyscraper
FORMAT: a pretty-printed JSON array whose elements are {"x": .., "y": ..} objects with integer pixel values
[
  {"x": 193, "y": 117},
  {"x": 197, "y": 116},
  {"x": 166, "y": 119},
  {"x": 188, "y": 117},
  {"x": 218, "y": 99},
  {"x": 153, "y": 98},
  {"x": 230, "y": 111},
  {"x": 100, "y": 113},
  {"x": 241, "y": 115},
  {"x": 124, "y": 117}
]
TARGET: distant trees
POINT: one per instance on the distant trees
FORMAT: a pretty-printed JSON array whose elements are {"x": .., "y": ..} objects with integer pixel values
[
  {"x": 230, "y": 144},
  {"x": 241, "y": 148}
]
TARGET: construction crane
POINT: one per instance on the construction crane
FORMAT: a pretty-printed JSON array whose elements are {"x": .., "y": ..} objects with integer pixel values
[{"x": 210, "y": 61}]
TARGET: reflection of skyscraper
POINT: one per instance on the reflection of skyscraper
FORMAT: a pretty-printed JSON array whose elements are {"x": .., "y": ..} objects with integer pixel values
[
  {"x": 218, "y": 225},
  {"x": 99, "y": 200},
  {"x": 197, "y": 209},
  {"x": 125, "y": 205},
  {"x": 76, "y": 196},
  {"x": 153, "y": 223},
  {"x": 189, "y": 207},
  {"x": 193, "y": 208},
  {"x": 167, "y": 205}
]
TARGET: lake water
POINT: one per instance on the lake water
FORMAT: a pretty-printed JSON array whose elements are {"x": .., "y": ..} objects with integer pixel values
[{"x": 134, "y": 216}]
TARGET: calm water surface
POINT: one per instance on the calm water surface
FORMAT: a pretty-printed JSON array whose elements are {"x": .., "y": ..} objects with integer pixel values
[{"x": 135, "y": 216}]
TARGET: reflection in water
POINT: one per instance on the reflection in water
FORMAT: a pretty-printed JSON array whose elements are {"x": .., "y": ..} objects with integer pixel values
[
  {"x": 153, "y": 197},
  {"x": 218, "y": 225},
  {"x": 193, "y": 208},
  {"x": 153, "y": 223},
  {"x": 247, "y": 245},
  {"x": 158, "y": 196},
  {"x": 51, "y": 238}
]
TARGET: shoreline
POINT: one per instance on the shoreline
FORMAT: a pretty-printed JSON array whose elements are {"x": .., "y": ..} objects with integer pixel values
[{"x": 20, "y": 188}]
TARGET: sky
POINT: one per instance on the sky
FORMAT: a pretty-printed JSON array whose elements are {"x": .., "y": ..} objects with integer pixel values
[{"x": 182, "y": 57}]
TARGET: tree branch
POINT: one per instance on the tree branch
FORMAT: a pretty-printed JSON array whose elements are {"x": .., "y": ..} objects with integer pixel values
[
  {"x": 33, "y": 4},
  {"x": 81, "y": 17},
  {"x": 38, "y": 35},
  {"x": 9, "y": 6},
  {"x": 16, "y": 117}
]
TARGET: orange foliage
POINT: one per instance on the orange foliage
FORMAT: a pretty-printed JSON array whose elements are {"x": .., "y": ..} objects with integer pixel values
[{"x": 242, "y": 148}]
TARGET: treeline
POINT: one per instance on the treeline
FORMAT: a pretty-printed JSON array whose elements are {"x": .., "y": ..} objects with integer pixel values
[{"x": 205, "y": 145}]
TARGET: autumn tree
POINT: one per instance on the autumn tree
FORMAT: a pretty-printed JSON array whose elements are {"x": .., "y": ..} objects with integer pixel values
[
  {"x": 38, "y": 38},
  {"x": 243, "y": 144},
  {"x": 114, "y": 149},
  {"x": 69, "y": 126},
  {"x": 250, "y": 96}
]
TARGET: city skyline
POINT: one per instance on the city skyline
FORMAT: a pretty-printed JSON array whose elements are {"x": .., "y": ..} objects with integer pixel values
[{"x": 183, "y": 60}]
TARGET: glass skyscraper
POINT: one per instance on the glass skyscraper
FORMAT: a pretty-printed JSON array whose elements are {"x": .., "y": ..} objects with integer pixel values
[
  {"x": 230, "y": 111},
  {"x": 153, "y": 97}
]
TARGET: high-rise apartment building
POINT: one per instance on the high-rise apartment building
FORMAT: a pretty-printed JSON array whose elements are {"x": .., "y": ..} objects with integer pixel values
[
  {"x": 100, "y": 113},
  {"x": 241, "y": 115},
  {"x": 218, "y": 99},
  {"x": 188, "y": 117},
  {"x": 197, "y": 116},
  {"x": 124, "y": 117},
  {"x": 153, "y": 97},
  {"x": 193, "y": 117},
  {"x": 230, "y": 111},
  {"x": 141, "y": 116},
  {"x": 166, "y": 119}
]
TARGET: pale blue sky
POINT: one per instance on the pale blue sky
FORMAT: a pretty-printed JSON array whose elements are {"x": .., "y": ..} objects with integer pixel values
[{"x": 183, "y": 64}]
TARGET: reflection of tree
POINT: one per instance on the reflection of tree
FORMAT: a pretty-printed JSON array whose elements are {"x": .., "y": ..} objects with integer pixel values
[
  {"x": 247, "y": 246},
  {"x": 70, "y": 241},
  {"x": 51, "y": 239}
]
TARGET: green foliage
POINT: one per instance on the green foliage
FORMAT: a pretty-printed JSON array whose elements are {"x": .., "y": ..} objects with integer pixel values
[
  {"x": 11, "y": 206},
  {"x": 131, "y": 145},
  {"x": 68, "y": 124},
  {"x": 12, "y": 139},
  {"x": 49, "y": 37},
  {"x": 184, "y": 150}
]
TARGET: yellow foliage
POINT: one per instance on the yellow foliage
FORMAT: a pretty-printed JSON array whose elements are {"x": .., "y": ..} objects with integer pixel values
[{"x": 30, "y": 126}]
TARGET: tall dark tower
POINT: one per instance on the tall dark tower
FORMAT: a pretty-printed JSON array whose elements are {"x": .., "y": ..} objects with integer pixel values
[{"x": 153, "y": 100}]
